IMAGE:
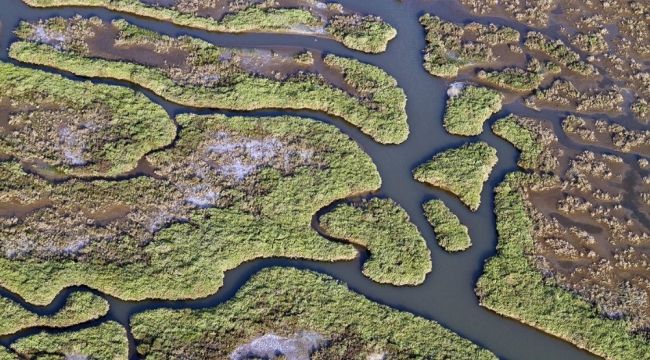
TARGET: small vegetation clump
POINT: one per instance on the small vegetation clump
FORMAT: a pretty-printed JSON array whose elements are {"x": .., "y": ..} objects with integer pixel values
[
  {"x": 591, "y": 43},
  {"x": 192, "y": 72},
  {"x": 365, "y": 33},
  {"x": 230, "y": 190},
  {"x": 448, "y": 50},
  {"x": 80, "y": 307},
  {"x": 77, "y": 128},
  {"x": 398, "y": 252},
  {"x": 450, "y": 233},
  {"x": 461, "y": 171},
  {"x": 468, "y": 109},
  {"x": 295, "y": 304},
  {"x": 562, "y": 94},
  {"x": 641, "y": 109},
  {"x": 511, "y": 285},
  {"x": 518, "y": 79},
  {"x": 106, "y": 341},
  {"x": 559, "y": 52},
  {"x": 531, "y": 138}
]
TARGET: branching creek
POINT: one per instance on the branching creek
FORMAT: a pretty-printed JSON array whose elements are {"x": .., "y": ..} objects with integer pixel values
[{"x": 447, "y": 296}]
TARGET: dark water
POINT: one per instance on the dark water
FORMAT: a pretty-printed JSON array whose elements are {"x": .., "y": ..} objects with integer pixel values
[{"x": 447, "y": 296}]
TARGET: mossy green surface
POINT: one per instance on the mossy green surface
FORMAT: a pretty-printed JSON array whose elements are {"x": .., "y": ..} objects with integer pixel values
[
  {"x": 80, "y": 307},
  {"x": 106, "y": 341},
  {"x": 398, "y": 252},
  {"x": 270, "y": 215},
  {"x": 512, "y": 286},
  {"x": 290, "y": 301},
  {"x": 466, "y": 112},
  {"x": 381, "y": 113},
  {"x": 364, "y": 33},
  {"x": 79, "y": 128},
  {"x": 450, "y": 233},
  {"x": 461, "y": 171}
]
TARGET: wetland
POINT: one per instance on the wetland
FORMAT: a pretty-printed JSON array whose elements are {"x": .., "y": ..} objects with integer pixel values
[{"x": 270, "y": 193}]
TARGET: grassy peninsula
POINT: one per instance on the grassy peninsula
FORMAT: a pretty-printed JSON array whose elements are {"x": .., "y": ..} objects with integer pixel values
[
  {"x": 398, "y": 252},
  {"x": 80, "y": 307},
  {"x": 357, "y": 31},
  {"x": 106, "y": 341},
  {"x": 231, "y": 189},
  {"x": 512, "y": 286},
  {"x": 318, "y": 314},
  {"x": 195, "y": 73},
  {"x": 78, "y": 128}
]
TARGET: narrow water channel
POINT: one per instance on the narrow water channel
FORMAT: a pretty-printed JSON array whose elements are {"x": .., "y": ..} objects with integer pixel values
[{"x": 447, "y": 296}]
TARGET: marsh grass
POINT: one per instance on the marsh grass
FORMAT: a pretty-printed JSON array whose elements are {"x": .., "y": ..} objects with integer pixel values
[
  {"x": 380, "y": 113},
  {"x": 79, "y": 128},
  {"x": 461, "y": 171},
  {"x": 364, "y": 33},
  {"x": 450, "y": 233},
  {"x": 187, "y": 258},
  {"x": 80, "y": 307},
  {"x": 286, "y": 302},
  {"x": 398, "y": 252},
  {"x": 466, "y": 112},
  {"x": 106, "y": 341}
]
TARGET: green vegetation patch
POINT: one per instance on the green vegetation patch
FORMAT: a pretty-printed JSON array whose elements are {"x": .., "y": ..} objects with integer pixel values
[
  {"x": 450, "y": 233},
  {"x": 107, "y": 341},
  {"x": 365, "y": 33},
  {"x": 468, "y": 107},
  {"x": 232, "y": 189},
  {"x": 518, "y": 79},
  {"x": 461, "y": 171},
  {"x": 398, "y": 252},
  {"x": 559, "y": 52},
  {"x": 512, "y": 286},
  {"x": 294, "y": 304},
  {"x": 77, "y": 128},
  {"x": 449, "y": 50},
  {"x": 80, "y": 307},
  {"x": 531, "y": 138},
  {"x": 192, "y": 72}
]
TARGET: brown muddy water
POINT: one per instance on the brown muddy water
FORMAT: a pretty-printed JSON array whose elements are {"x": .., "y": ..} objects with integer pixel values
[{"x": 447, "y": 296}]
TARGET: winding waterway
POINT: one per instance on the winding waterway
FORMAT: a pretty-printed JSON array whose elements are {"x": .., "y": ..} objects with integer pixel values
[{"x": 447, "y": 296}]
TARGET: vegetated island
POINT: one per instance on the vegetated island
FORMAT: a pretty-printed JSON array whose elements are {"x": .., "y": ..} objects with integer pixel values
[
  {"x": 461, "y": 171},
  {"x": 106, "y": 341},
  {"x": 569, "y": 278},
  {"x": 468, "y": 107},
  {"x": 296, "y": 313},
  {"x": 195, "y": 73},
  {"x": 80, "y": 307},
  {"x": 69, "y": 128},
  {"x": 450, "y": 233},
  {"x": 398, "y": 253},
  {"x": 230, "y": 190},
  {"x": 308, "y": 17}
]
